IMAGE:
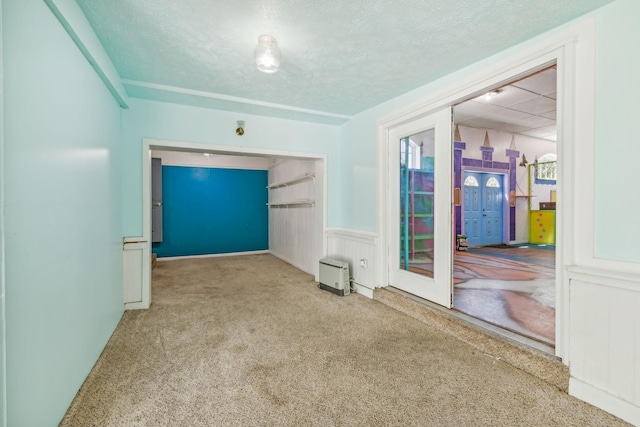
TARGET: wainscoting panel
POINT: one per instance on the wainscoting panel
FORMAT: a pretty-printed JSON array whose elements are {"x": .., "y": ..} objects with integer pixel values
[
  {"x": 355, "y": 247},
  {"x": 291, "y": 236},
  {"x": 604, "y": 348},
  {"x": 137, "y": 276},
  {"x": 295, "y": 212}
]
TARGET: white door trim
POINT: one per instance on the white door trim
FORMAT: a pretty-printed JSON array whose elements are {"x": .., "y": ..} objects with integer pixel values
[
  {"x": 3, "y": 315},
  {"x": 572, "y": 49},
  {"x": 156, "y": 144}
]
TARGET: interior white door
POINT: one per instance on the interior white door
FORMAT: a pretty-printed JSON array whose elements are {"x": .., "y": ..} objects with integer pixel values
[{"x": 420, "y": 207}]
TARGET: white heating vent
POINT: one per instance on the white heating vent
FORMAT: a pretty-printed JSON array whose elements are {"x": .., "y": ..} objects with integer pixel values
[{"x": 334, "y": 276}]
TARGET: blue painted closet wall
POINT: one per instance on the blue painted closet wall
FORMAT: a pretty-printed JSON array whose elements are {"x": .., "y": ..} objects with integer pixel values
[{"x": 213, "y": 211}]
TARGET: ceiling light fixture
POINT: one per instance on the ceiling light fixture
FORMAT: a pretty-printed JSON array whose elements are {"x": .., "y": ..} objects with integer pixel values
[
  {"x": 267, "y": 54},
  {"x": 489, "y": 95}
]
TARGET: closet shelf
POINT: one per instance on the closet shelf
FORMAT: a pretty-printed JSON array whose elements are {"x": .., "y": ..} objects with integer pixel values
[
  {"x": 293, "y": 202},
  {"x": 291, "y": 181}
]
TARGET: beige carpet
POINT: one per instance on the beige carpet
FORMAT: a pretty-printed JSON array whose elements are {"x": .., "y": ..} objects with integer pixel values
[{"x": 251, "y": 341}]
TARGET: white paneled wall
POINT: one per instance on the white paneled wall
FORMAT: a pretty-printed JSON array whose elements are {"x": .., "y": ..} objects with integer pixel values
[
  {"x": 291, "y": 236},
  {"x": 358, "y": 248},
  {"x": 136, "y": 270},
  {"x": 295, "y": 212},
  {"x": 605, "y": 341}
]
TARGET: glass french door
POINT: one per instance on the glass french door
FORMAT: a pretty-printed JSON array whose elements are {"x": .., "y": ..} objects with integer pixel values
[{"x": 420, "y": 207}]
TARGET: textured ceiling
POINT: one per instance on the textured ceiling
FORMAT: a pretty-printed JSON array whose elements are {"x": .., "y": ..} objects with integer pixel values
[{"x": 338, "y": 57}]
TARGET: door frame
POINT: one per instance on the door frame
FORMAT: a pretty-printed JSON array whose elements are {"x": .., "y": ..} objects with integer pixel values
[
  {"x": 571, "y": 49},
  {"x": 505, "y": 197}
]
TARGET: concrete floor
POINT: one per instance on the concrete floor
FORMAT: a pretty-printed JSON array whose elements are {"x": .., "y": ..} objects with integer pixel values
[{"x": 512, "y": 287}]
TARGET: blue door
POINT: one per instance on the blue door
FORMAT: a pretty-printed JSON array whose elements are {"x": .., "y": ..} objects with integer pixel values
[
  {"x": 491, "y": 209},
  {"x": 483, "y": 198},
  {"x": 472, "y": 208}
]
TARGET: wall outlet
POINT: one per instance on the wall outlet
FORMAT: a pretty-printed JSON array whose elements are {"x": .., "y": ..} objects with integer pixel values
[{"x": 364, "y": 263}]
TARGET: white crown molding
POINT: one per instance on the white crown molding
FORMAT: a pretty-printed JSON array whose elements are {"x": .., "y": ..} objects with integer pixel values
[{"x": 221, "y": 97}]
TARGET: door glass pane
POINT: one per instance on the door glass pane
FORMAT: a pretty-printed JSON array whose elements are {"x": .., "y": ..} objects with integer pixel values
[
  {"x": 493, "y": 182},
  {"x": 416, "y": 202},
  {"x": 471, "y": 181}
]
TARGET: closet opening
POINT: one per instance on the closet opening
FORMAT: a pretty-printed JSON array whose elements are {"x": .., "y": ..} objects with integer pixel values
[{"x": 220, "y": 201}]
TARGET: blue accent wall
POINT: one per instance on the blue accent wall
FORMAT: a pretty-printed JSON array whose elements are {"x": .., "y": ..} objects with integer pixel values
[{"x": 213, "y": 211}]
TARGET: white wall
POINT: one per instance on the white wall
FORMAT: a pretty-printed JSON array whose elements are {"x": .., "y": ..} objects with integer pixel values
[
  {"x": 296, "y": 212},
  {"x": 63, "y": 259}
]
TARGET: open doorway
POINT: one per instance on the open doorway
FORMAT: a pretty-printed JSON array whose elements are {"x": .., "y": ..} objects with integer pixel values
[
  {"x": 504, "y": 190},
  {"x": 284, "y": 239},
  {"x": 505, "y": 173}
]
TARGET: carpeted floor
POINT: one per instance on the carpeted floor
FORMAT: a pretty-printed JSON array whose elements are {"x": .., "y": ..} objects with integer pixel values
[{"x": 251, "y": 341}]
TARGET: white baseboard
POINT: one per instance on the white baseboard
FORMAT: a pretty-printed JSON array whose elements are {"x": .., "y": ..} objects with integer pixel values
[
  {"x": 295, "y": 264},
  {"x": 136, "y": 305},
  {"x": 605, "y": 401},
  {"x": 363, "y": 290},
  {"x": 172, "y": 258}
]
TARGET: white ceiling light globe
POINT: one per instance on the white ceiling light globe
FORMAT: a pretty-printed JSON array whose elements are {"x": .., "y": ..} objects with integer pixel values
[{"x": 267, "y": 54}]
